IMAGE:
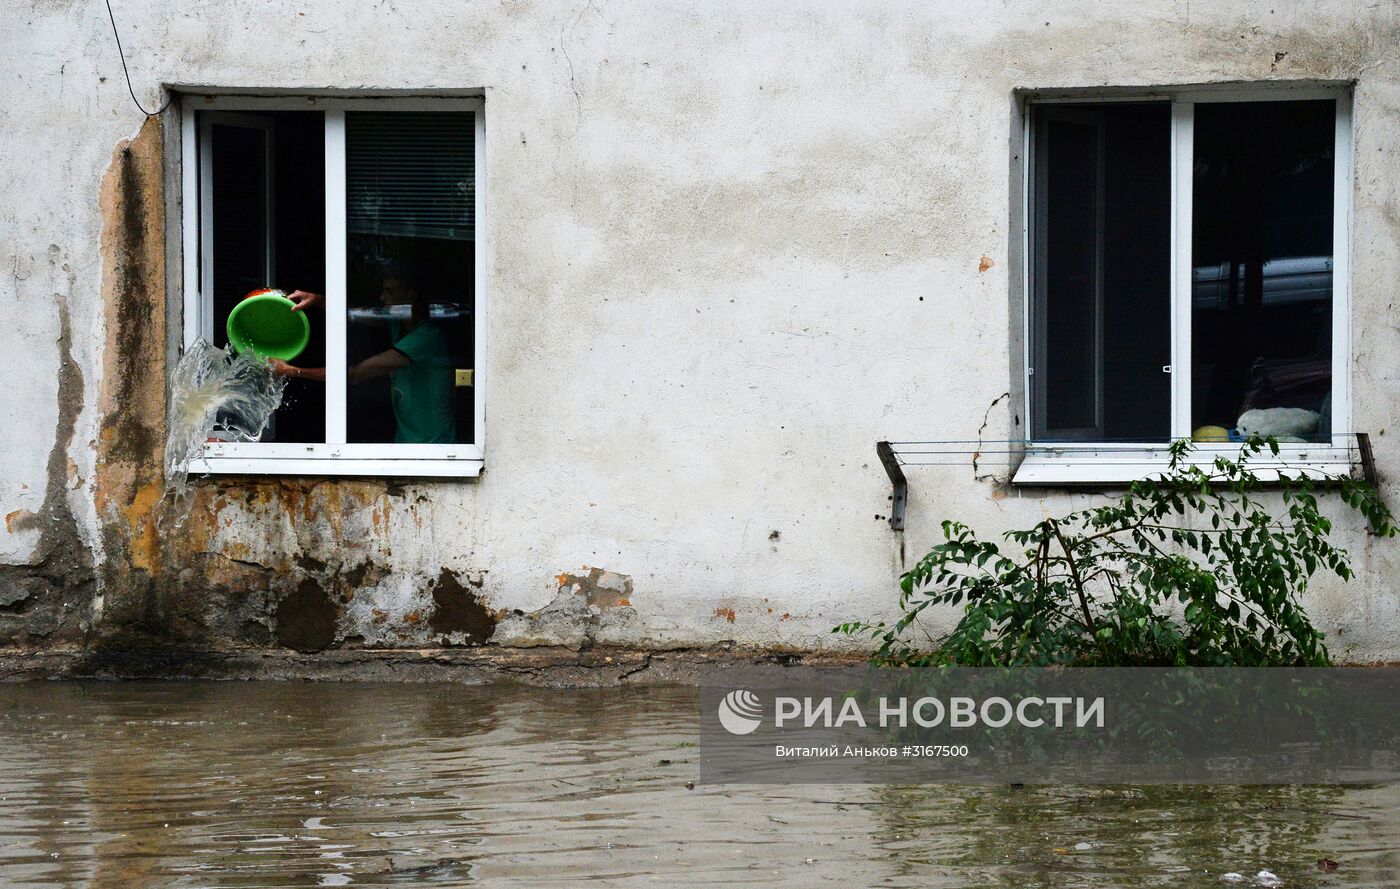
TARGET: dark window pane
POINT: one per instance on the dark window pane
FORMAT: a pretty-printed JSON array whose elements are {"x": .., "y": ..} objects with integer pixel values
[
  {"x": 1073, "y": 232},
  {"x": 241, "y": 236},
  {"x": 1261, "y": 348},
  {"x": 411, "y": 200},
  {"x": 1101, "y": 242},
  {"x": 267, "y": 229}
]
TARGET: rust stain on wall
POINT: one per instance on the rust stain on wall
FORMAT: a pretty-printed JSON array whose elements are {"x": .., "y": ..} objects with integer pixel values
[{"x": 131, "y": 401}]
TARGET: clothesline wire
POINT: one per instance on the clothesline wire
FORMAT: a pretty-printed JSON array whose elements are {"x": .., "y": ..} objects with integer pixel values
[{"x": 996, "y": 452}]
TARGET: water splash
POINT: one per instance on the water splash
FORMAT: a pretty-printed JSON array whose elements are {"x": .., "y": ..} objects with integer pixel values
[{"x": 215, "y": 395}]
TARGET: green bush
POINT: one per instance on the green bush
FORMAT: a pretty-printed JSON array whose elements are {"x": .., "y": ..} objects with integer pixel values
[{"x": 1189, "y": 568}]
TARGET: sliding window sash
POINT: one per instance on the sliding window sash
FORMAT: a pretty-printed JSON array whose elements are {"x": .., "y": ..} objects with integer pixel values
[
  {"x": 1183, "y": 136},
  {"x": 336, "y": 283},
  {"x": 1343, "y": 177}
]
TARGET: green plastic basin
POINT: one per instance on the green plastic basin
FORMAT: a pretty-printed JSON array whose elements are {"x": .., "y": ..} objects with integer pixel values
[{"x": 267, "y": 325}]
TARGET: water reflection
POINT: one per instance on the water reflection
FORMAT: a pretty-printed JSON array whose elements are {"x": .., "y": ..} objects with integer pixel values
[{"x": 285, "y": 784}]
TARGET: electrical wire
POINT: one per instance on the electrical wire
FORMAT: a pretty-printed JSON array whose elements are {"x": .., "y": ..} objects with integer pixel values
[{"x": 122, "y": 55}]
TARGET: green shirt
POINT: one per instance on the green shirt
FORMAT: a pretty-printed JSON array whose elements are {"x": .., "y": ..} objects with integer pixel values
[{"x": 422, "y": 392}]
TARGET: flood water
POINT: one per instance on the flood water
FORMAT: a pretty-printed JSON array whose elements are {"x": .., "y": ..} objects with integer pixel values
[{"x": 296, "y": 784}]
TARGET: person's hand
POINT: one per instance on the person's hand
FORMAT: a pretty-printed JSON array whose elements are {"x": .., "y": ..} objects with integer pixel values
[
  {"x": 305, "y": 298},
  {"x": 282, "y": 368}
]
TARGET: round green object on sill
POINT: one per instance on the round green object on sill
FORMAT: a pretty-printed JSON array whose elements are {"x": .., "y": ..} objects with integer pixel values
[{"x": 266, "y": 324}]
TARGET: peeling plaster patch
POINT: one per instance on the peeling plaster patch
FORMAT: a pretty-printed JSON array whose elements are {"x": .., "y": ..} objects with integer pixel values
[
  {"x": 458, "y": 613},
  {"x": 307, "y": 617},
  {"x": 589, "y": 608},
  {"x": 387, "y": 609},
  {"x": 248, "y": 547},
  {"x": 53, "y": 595},
  {"x": 600, "y": 588}
]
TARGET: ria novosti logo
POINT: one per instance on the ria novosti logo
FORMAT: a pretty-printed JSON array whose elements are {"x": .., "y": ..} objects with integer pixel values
[{"x": 740, "y": 712}]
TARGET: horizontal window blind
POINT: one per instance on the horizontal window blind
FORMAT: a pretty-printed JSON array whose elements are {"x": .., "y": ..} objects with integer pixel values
[{"x": 411, "y": 174}]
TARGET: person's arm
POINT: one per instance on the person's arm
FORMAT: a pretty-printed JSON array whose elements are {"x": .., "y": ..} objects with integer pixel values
[
  {"x": 283, "y": 369},
  {"x": 385, "y": 362}
]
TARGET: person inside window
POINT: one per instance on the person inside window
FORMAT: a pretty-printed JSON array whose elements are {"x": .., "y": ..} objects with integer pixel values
[{"x": 419, "y": 363}]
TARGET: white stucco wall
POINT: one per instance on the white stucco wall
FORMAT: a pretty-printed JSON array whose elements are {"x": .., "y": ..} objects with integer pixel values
[{"x": 732, "y": 245}]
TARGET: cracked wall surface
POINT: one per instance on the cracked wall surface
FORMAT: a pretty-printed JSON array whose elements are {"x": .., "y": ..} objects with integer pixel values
[{"x": 730, "y": 248}]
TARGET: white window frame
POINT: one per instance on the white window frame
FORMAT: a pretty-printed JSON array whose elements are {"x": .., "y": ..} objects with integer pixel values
[
  {"x": 335, "y": 456},
  {"x": 1110, "y": 463}
]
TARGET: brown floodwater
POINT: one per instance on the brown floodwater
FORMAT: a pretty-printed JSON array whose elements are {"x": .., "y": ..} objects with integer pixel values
[{"x": 296, "y": 784}]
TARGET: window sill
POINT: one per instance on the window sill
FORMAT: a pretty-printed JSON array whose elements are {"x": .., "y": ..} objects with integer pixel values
[
  {"x": 402, "y": 461},
  {"x": 1061, "y": 466}
]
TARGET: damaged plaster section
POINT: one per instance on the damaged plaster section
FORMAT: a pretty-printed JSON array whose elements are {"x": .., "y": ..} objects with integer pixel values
[
  {"x": 51, "y": 599},
  {"x": 591, "y": 608},
  {"x": 459, "y": 616},
  {"x": 138, "y": 609},
  {"x": 307, "y": 617}
]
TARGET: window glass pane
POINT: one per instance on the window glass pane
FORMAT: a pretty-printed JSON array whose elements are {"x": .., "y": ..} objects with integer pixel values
[
  {"x": 1262, "y": 279},
  {"x": 239, "y": 166},
  {"x": 410, "y": 192},
  {"x": 267, "y": 228},
  {"x": 1073, "y": 231},
  {"x": 1101, "y": 242}
]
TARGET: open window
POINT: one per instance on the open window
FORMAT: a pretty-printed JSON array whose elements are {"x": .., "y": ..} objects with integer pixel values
[
  {"x": 376, "y": 206},
  {"x": 1186, "y": 277}
]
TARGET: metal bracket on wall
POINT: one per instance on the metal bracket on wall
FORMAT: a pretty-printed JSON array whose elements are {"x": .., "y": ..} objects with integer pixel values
[
  {"x": 1368, "y": 466},
  {"x": 897, "y": 481},
  {"x": 946, "y": 453},
  {"x": 1368, "y": 460}
]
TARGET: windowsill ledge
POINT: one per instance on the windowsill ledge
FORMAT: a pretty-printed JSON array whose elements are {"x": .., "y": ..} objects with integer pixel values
[
  {"x": 393, "y": 460},
  {"x": 1062, "y": 466}
]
